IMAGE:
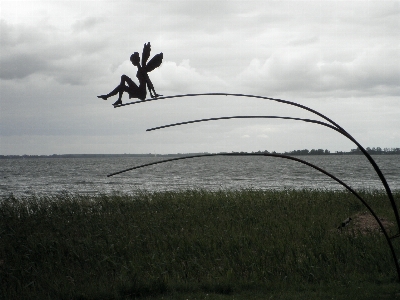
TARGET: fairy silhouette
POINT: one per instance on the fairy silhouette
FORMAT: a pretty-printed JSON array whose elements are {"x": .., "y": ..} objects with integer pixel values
[{"x": 127, "y": 85}]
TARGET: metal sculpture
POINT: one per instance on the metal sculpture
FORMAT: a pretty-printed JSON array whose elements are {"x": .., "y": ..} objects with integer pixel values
[
  {"x": 135, "y": 91},
  {"x": 334, "y": 126},
  {"x": 388, "y": 239},
  {"x": 127, "y": 85},
  {"x": 340, "y": 129}
]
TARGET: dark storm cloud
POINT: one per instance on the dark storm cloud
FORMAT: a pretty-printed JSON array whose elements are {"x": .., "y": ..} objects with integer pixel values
[
  {"x": 19, "y": 66},
  {"x": 15, "y": 62},
  {"x": 56, "y": 54}
]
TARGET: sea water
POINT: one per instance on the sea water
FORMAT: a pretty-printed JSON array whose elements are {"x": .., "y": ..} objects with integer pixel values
[{"x": 89, "y": 175}]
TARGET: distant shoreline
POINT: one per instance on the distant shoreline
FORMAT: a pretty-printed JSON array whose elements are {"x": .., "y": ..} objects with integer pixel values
[{"x": 394, "y": 151}]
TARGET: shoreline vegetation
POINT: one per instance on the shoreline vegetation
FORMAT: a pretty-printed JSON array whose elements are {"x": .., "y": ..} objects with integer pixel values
[
  {"x": 197, "y": 244},
  {"x": 371, "y": 151}
]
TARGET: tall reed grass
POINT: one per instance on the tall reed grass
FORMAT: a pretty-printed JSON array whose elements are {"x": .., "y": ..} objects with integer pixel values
[{"x": 157, "y": 243}]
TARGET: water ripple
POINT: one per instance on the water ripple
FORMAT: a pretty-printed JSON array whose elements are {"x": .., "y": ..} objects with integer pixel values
[{"x": 88, "y": 175}]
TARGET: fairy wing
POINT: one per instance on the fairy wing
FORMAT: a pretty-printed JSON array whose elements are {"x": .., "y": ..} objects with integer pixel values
[
  {"x": 155, "y": 62},
  {"x": 146, "y": 53}
]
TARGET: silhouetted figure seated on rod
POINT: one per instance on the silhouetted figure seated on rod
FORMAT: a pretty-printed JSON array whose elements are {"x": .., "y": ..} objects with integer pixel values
[{"x": 127, "y": 85}]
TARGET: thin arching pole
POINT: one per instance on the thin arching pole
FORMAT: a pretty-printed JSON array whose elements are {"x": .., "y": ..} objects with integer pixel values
[
  {"x": 366, "y": 154},
  {"x": 245, "y": 117},
  {"x": 290, "y": 158},
  {"x": 254, "y": 117}
]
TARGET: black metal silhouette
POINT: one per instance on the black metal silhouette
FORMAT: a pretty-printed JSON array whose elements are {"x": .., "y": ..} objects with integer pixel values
[
  {"x": 388, "y": 239},
  {"x": 127, "y": 85},
  {"x": 344, "y": 132},
  {"x": 334, "y": 126},
  {"x": 245, "y": 117}
]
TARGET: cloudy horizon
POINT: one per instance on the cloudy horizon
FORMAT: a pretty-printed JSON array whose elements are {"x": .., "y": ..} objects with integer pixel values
[{"x": 340, "y": 58}]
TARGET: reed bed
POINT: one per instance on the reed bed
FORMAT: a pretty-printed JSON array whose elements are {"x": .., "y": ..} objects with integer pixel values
[{"x": 205, "y": 244}]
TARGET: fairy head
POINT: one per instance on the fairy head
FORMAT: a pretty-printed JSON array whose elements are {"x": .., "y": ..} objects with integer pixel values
[{"x": 135, "y": 59}]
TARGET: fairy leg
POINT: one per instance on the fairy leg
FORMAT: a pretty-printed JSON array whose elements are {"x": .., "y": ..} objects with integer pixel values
[
  {"x": 112, "y": 93},
  {"x": 131, "y": 88},
  {"x": 120, "y": 89}
]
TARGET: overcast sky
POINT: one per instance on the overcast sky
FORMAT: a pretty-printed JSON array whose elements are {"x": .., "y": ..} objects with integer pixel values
[{"x": 341, "y": 58}]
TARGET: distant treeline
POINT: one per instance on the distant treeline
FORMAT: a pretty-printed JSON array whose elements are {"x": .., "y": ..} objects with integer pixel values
[
  {"x": 96, "y": 155},
  {"x": 372, "y": 151}
]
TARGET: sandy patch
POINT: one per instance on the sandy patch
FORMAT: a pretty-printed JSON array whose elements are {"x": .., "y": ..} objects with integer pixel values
[{"x": 365, "y": 223}]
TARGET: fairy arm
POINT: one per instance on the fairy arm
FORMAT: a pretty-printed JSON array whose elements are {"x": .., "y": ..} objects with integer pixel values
[{"x": 150, "y": 87}]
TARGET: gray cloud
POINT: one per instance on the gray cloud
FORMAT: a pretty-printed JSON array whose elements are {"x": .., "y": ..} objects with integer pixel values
[
  {"x": 57, "y": 56},
  {"x": 371, "y": 72},
  {"x": 69, "y": 59},
  {"x": 87, "y": 24},
  {"x": 21, "y": 65}
]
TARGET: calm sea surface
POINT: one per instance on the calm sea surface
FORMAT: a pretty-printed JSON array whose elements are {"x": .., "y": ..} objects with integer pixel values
[{"x": 88, "y": 175}]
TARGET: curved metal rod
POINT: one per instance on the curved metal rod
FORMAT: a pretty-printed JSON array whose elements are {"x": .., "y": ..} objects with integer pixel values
[
  {"x": 246, "y": 117},
  {"x": 290, "y": 158},
  {"x": 366, "y": 154},
  {"x": 251, "y": 117},
  {"x": 237, "y": 95}
]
